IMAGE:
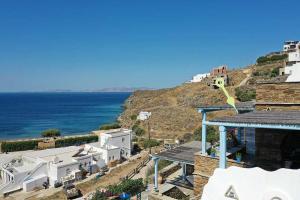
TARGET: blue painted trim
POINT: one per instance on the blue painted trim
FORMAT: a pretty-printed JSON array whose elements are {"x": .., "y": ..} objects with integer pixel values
[
  {"x": 203, "y": 139},
  {"x": 239, "y": 135},
  {"x": 254, "y": 125},
  {"x": 156, "y": 174},
  {"x": 222, "y": 161}
]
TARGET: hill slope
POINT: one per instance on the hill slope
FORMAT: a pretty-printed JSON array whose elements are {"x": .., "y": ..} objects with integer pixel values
[{"x": 174, "y": 110}]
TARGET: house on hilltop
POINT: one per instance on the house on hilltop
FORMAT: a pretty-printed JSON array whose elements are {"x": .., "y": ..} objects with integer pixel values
[{"x": 292, "y": 67}]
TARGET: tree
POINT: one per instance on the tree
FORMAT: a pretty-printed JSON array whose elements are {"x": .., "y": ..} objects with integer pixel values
[
  {"x": 51, "y": 133},
  {"x": 138, "y": 130},
  {"x": 212, "y": 135},
  {"x": 130, "y": 186}
]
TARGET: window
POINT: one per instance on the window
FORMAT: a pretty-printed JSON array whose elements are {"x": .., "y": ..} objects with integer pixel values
[
  {"x": 113, "y": 157},
  {"x": 123, "y": 139},
  {"x": 68, "y": 171},
  {"x": 109, "y": 158}
]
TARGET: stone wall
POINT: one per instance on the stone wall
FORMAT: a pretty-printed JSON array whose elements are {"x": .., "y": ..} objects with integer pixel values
[
  {"x": 278, "y": 93},
  {"x": 276, "y": 107},
  {"x": 270, "y": 147},
  {"x": 204, "y": 168}
]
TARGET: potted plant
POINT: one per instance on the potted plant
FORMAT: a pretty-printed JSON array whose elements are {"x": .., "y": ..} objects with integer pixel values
[
  {"x": 238, "y": 157},
  {"x": 213, "y": 152}
]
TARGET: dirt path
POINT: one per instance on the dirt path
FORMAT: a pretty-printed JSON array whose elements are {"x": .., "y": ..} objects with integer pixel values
[{"x": 249, "y": 73}]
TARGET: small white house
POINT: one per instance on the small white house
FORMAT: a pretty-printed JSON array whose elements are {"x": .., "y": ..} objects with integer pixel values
[
  {"x": 37, "y": 168},
  {"x": 143, "y": 115},
  {"x": 292, "y": 68},
  {"x": 289, "y": 46},
  {"x": 199, "y": 77}
]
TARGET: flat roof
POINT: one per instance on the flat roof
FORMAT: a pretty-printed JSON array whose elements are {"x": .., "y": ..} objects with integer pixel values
[
  {"x": 183, "y": 153},
  {"x": 241, "y": 106},
  {"x": 261, "y": 119},
  {"x": 52, "y": 152}
]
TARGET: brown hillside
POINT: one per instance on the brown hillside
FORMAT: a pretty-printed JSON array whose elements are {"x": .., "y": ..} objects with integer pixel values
[{"x": 174, "y": 110}]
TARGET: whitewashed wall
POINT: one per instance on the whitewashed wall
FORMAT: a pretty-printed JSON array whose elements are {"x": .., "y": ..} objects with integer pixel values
[
  {"x": 253, "y": 183},
  {"x": 33, "y": 183}
]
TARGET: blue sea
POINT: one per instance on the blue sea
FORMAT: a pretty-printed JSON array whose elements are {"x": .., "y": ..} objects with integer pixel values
[{"x": 26, "y": 115}]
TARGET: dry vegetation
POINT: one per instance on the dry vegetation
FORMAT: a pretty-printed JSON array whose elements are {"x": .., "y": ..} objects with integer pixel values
[{"x": 174, "y": 110}]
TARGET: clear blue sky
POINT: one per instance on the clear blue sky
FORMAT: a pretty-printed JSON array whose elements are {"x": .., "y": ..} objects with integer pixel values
[{"x": 57, "y": 44}]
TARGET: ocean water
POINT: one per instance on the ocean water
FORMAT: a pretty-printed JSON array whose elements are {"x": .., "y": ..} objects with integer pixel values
[{"x": 26, "y": 115}]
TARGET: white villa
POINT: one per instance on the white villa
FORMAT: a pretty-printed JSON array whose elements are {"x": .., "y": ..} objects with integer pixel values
[
  {"x": 199, "y": 77},
  {"x": 143, "y": 115},
  {"x": 292, "y": 68},
  {"x": 51, "y": 166}
]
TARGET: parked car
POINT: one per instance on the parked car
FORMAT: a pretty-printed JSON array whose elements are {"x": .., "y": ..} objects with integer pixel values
[{"x": 71, "y": 191}]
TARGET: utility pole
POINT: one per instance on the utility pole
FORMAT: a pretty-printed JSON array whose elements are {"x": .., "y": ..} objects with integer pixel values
[{"x": 149, "y": 134}]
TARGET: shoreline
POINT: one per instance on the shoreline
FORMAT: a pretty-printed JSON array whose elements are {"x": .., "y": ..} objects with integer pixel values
[{"x": 42, "y": 138}]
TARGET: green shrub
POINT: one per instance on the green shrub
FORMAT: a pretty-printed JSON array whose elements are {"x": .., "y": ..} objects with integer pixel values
[
  {"x": 133, "y": 117},
  {"x": 19, "y": 145},
  {"x": 161, "y": 164},
  {"x": 265, "y": 59},
  {"x": 110, "y": 126},
  {"x": 275, "y": 72},
  {"x": 137, "y": 129},
  {"x": 70, "y": 141},
  {"x": 212, "y": 135},
  {"x": 150, "y": 143},
  {"x": 245, "y": 94},
  {"x": 51, "y": 133},
  {"x": 130, "y": 186},
  {"x": 99, "y": 196}
]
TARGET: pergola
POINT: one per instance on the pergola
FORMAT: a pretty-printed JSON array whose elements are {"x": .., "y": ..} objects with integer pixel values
[
  {"x": 183, "y": 154},
  {"x": 242, "y": 107},
  {"x": 288, "y": 120}
]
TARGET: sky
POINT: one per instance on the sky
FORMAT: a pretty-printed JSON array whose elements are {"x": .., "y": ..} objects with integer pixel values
[{"x": 86, "y": 45}]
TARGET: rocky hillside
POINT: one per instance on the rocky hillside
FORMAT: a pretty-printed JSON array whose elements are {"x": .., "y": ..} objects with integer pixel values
[{"x": 174, "y": 110}]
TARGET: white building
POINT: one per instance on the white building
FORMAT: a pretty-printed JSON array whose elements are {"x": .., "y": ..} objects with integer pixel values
[
  {"x": 199, "y": 77},
  {"x": 36, "y": 168},
  {"x": 289, "y": 46},
  {"x": 252, "y": 183},
  {"x": 292, "y": 68},
  {"x": 143, "y": 115}
]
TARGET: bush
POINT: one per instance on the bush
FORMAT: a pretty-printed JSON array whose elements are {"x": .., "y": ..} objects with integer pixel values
[
  {"x": 150, "y": 143},
  {"x": 137, "y": 129},
  {"x": 110, "y": 126},
  {"x": 245, "y": 94},
  {"x": 70, "y": 141},
  {"x": 161, "y": 164},
  {"x": 275, "y": 72},
  {"x": 51, "y": 133},
  {"x": 212, "y": 135},
  {"x": 187, "y": 137},
  {"x": 265, "y": 59},
  {"x": 133, "y": 117},
  {"x": 129, "y": 186},
  {"x": 19, "y": 145}
]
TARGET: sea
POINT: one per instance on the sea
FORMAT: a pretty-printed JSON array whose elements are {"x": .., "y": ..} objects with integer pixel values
[{"x": 26, "y": 115}]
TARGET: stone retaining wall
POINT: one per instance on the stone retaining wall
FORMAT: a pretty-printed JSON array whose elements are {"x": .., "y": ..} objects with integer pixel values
[{"x": 204, "y": 168}]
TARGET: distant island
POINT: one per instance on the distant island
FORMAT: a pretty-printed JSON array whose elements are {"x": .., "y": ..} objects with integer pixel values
[{"x": 111, "y": 89}]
